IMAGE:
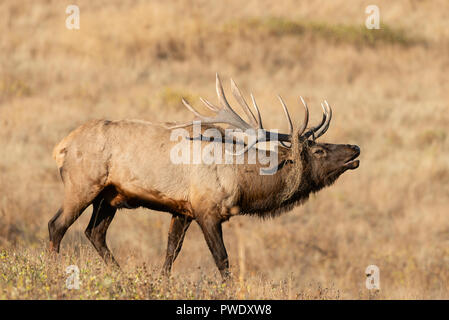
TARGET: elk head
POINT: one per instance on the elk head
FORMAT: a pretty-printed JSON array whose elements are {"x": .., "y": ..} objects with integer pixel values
[
  {"x": 325, "y": 162},
  {"x": 328, "y": 161}
]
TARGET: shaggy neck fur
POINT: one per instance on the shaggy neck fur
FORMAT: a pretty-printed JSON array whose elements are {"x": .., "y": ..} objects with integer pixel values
[{"x": 269, "y": 196}]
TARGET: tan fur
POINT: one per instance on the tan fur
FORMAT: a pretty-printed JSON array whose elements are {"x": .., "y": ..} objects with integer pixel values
[
  {"x": 127, "y": 164},
  {"x": 134, "y": 158}
]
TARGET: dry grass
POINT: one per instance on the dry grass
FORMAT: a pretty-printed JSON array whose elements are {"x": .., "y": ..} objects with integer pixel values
[{"x": 134, "y": 59}]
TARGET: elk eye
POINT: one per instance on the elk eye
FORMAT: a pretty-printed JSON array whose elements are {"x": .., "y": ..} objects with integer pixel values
[{"x": 319, "y": 151}]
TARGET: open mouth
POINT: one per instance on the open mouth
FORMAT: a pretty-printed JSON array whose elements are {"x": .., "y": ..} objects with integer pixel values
[{"x": 352, "y": 163}]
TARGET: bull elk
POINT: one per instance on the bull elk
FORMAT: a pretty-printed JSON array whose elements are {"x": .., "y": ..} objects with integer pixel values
[{"x": 126, "y": 164}]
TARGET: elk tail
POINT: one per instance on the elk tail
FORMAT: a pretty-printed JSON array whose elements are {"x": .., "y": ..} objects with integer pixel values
[{"x": 60, "y": 150}]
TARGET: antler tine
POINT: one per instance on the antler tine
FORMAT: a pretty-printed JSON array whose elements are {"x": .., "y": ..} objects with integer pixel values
[
  {"x": 210, "y": 105},
  {"x": 257, "y": 111},
  {"x": 313, "y": 130},
  {"x": 328, "y": 120},
  {"x": 239, "y": 97},
  {"x": 306, "y": 118},
  {"x": 227, "y": 114},
  {"x": 191, "y": 109},
  {"x": 287, "y": 115},
  {"x": 189, "y": 123}
]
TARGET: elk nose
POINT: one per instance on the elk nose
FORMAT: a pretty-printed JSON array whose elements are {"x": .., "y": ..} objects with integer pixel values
[{"x": 355, "y": 148}]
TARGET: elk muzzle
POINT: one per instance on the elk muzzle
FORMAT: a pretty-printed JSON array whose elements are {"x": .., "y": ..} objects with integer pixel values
[{"x": 351, "y": 163}]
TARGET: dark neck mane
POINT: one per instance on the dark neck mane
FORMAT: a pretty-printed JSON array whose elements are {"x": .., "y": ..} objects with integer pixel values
[{"x": 270, "y": 195}]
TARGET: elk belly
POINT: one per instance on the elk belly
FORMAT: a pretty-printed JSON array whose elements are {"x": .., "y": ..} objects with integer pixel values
[{"x": 133, "y": 197}]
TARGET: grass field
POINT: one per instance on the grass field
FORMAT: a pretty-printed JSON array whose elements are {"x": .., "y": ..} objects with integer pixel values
[{"x": 389, "y": 90}]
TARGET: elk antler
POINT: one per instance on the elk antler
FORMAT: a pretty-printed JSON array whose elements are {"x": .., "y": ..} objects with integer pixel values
[
  {"x": 226, "y": 115},
  {"x": 322, "y": 127},
  {"x": 238, "y": 96},
  {"x": 327, "y": 122}
]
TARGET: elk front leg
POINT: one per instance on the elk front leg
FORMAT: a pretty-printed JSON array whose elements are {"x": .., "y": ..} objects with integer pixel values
[
  {"x": 178, "y": 227},
  {"x": 211, "y": 227}
]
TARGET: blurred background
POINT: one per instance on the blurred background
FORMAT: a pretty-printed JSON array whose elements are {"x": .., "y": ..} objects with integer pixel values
[{"x": 389, "y": 90}]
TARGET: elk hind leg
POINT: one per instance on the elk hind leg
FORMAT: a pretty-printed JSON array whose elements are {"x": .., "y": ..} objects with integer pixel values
[
  {"x": 71, "y": 209},
  {"x": 102, "y": 215}
]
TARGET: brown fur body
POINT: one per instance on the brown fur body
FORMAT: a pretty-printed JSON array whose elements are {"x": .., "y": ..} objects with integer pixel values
[{"x": 126, "y": 164}]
